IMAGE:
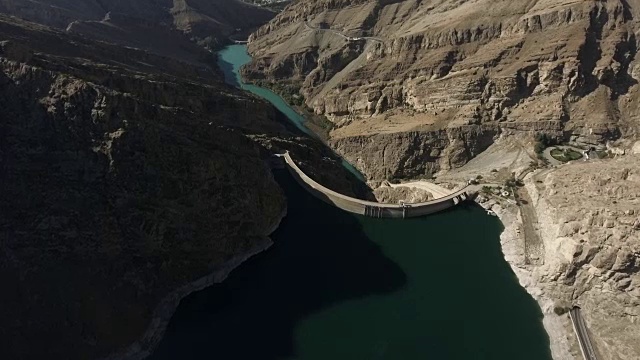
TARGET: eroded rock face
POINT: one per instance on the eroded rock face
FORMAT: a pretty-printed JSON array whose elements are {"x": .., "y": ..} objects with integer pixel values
[
  {"x": 416, "y": 153},
  {"x": 394, "y": 195},
  {"x": 588, "y": 214},
  {"x": 125, "y": 176},
  {"x": 564, "y": 68}
]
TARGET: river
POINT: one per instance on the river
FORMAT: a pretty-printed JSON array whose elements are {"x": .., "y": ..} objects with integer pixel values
[{"x": 336, "y": 286}]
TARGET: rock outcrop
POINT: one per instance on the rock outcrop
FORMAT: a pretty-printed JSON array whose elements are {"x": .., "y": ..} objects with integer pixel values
[
  {"x": 573, "y": 240},
  {"x": 564, "y": 68},
  {"x": 128, "y": 180},
  {"x": 410, "y": 154},
  {"x": 589, "y": 223},
  {"x": 393, "y": 195}
]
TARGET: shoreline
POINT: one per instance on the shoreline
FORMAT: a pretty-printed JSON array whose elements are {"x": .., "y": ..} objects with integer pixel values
[
  {"x": 512, "y": 245},
  {"x": 167, "y": 306},
  {"x": 513, "y": 251}
]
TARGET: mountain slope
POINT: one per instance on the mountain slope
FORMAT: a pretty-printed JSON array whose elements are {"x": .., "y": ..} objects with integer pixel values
[
  {"x": 129, "y": 180},
  {"x": 210, "y": 21},
  {"x": 455, "y": 72}
]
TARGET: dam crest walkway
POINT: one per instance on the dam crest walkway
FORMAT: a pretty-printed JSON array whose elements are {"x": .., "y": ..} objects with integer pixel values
[{"x": 370, "y": 208}]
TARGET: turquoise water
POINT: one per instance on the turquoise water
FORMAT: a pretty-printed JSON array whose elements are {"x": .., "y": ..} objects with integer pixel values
[
  {"x": 336, "y": 286},
  {"x": 231, "y": 59}
]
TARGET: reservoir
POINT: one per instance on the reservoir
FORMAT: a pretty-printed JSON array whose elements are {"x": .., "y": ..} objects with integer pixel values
[{"x": 337, "y": 286}]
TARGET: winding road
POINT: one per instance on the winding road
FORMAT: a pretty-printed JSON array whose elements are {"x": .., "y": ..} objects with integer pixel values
[
  {"x": 552, "y": 160},
  {"x": 349, "y": 38},
  {"x": 579, "y": 326}
]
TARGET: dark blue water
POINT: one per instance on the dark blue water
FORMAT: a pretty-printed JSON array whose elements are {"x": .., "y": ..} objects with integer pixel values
[{"x": 344, "y": 287}]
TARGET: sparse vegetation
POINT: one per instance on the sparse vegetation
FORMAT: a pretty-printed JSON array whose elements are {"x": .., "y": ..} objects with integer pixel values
[
  {"x": 323, "y": 122},
  {"x": 290, "y": 93},
  {"x": 513, "y": 182},
  {"x": 561, "y": 310},
  {"x": 392, "y": 179},
  {"x": 543, "y": 141}
]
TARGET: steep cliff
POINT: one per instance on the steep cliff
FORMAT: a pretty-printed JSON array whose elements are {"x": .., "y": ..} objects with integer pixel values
[
  {"x": 411, "y": 154},
  {"x": 564, "y": 68},
  {"x": 209, "y": 21},
  {"x": 128, "y": 181}
]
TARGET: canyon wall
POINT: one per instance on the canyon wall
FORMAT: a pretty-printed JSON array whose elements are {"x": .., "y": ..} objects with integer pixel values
[
  {"x": 128, "y": 181},
  {"x": 564, "y": 68},
  {"x": 209, "y": 22}
]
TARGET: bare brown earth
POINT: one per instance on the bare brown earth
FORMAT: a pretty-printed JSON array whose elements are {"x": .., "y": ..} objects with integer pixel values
[
  {"x": 450, "y": 77},
  {"x": 409, "y": 194}
]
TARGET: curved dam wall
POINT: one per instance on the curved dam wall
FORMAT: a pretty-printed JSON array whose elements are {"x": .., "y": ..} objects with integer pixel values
[{"x": 370, "y": 208}]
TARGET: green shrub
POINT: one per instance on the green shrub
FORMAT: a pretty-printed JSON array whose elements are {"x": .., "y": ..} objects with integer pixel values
[
  {"x": 513, "y": 182},
  {"x": 543, "y": 141},
  {"x": 561, "y": 310},
  {"x": 565, "y": 155}
]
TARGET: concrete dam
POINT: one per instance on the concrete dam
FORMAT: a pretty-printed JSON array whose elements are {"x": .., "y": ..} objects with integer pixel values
[{"x": 370, "y": 208}]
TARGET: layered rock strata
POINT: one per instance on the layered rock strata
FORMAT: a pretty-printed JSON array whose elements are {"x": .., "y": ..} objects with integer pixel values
[{"x": 564, "y": 68}]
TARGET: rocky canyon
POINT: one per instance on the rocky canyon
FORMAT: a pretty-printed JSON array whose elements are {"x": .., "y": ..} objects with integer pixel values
[
  {"x": 437, "y": 81},
  {"x": 131, "y": 175},
  {"x": 458, "y": 89}
]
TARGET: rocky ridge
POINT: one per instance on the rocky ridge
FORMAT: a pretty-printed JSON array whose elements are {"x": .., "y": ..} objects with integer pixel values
[
  {"x": 564, "y": 68},
  {"x": 592, "y": 246},
  {"x": 129, "y": 179},
  {"x": 572, "y": 240},
  {"x": 210, "y": 22}
]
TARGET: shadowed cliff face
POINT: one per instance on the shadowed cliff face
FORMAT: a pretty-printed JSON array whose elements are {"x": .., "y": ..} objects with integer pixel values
[
  {"x": 125, "y": 176},
  {"x": 144, "y": 22},
  {"x": 119, "y": 186},
  {"x": 322, "y": 258},
  {"x": 565, "y": 68}
]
